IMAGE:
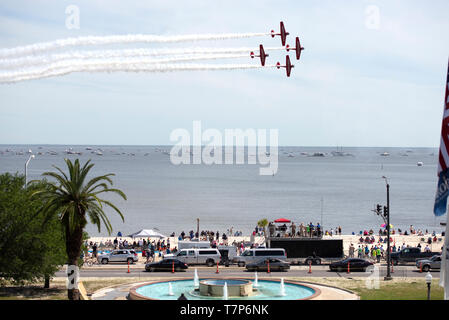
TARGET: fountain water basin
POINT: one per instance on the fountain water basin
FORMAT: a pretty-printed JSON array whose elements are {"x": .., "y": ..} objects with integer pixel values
[{"x": 214, "y": 289}]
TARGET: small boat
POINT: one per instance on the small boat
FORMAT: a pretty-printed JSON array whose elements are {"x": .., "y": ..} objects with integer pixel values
[
  {"x": 420, "y": 164},
  {"x": 318, "y": 154},
  {"x": 385, "y": 154}
]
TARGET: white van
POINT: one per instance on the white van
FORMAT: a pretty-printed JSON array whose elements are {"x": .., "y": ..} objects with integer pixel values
[
  {"x": 208, "y": 256},
  {"x": 193, "y": 244},
  {"x": 257, "y": 254}
]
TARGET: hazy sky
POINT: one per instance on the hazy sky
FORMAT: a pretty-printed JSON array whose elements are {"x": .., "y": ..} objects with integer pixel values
[{"x": 362, "y": 81}]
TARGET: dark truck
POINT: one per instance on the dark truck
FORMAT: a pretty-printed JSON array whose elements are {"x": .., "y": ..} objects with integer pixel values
[
  {"x": 410, "y": 255},
  {"x": 308, "y": 250}
]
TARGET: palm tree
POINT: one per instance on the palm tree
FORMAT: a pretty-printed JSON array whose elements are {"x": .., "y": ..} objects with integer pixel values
[
  {"x": 74, "y": 199},
  {"x": 263, "y": 224}
]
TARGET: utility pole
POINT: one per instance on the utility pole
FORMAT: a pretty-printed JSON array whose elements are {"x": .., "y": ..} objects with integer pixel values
[
  {"x": 387, "y": 216},
  {"x": 388, "y": 276}
]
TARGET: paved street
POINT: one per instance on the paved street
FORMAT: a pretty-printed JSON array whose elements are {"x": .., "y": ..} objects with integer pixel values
[{"x": 295, "y": 271}]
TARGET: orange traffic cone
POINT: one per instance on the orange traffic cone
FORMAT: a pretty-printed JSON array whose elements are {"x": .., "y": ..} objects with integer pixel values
[
  {"x": 128, "y": 268},
  {"x": 173, "y": 267},
  {"x": 217, "y": 268},
  {"x": 268, "y": 262},
  {"x": 420, "y": 267},
  {"x": 310, "y": 267},
  {"x": 348, "y": 268},
  {"x": 392, "y": 269}
]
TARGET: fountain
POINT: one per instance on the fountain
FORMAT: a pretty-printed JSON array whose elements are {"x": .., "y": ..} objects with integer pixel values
[
  {"x": 225, "y": 291},
  {"x": 196, "y": 281},
  {"x": 282, "y": 288},
  {"x": 256, "y": 282}
]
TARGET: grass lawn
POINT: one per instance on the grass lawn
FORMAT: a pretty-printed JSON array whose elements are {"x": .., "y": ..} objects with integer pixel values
[{"x": 396, "y": 289}]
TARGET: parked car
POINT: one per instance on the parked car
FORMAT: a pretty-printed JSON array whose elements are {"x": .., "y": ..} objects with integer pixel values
[
  {"x": 208, "y": 256},
  {"x": 262, "y": 265},
  {"x": 255, "y": 255},
  {"x": 166, "y": 265},
  {"x": 429, "y": 264},
  {"x": 355, "y": 264},
  {"x": 410, "y": 255},
  {"x": 122, "y": 255}
]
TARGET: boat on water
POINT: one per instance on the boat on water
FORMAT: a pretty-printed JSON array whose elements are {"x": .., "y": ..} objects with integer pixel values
[
  {"x": 385, "y": 154},
  {"x": 420, "y": 164},
  {"x": 318, "y": 154}
]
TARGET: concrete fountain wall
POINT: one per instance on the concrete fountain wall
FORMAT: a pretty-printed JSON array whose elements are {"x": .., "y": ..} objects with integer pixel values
[{"x": 236, "y": 288}]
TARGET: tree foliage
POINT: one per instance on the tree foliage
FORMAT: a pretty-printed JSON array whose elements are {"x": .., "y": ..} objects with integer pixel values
[
  {"x": 30, "y": 248},
  {"x": 73, "y": 200}
]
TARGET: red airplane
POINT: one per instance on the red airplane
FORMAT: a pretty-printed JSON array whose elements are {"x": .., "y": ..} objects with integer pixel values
[
  {"x": 283, "y": 34},
  {"x": 297, "y": 48},
  {"x": 288, "y": 65},
  {"x": 262, "y": 55}
]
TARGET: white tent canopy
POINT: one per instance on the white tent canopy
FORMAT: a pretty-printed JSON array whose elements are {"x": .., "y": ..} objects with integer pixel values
[{"x": 147, "y": 233}]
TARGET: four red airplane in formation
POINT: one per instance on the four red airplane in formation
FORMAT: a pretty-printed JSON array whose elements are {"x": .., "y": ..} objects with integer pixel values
[{"x": 283, "y": 34}]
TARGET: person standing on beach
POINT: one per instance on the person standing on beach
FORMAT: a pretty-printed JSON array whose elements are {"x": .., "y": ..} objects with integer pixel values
[
  {"x": 94, "y": 250},
  {"x": 359, "y": 252},
  {"x": 351, "y": 251}
]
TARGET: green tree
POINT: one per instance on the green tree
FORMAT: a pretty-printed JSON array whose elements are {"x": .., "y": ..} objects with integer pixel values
[
  {"x": 263, "y": 224},
  {"x": 29, "y": 249},
  {"x": 73, "y": 199}
]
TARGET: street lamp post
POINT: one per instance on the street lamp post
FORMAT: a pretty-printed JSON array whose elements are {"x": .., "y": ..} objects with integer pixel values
[
  {"x": 26, "y": 168},
  {"x": 429, "y": 282},
  {"x": 388, "y": 276}
]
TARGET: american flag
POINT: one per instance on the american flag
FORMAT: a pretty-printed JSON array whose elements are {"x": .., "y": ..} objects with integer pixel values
[
  {"x": 443, "y": 190},
  {"x": 443, "y": 159}
]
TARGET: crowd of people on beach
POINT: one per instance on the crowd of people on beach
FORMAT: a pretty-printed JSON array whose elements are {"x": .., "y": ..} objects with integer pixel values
[
  {"x": 369, "y": 245},
  {"x": 148, "y": 247},
  {"x": 302, "y": 230}
]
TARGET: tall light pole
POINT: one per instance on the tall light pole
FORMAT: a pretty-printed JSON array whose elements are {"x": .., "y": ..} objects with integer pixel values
[
  {"x": 26, "y": 168},
  {"x": 387, "y": 214}
]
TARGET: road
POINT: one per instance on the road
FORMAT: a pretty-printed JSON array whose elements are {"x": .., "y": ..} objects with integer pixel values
[{"x": 138, "y": 271}]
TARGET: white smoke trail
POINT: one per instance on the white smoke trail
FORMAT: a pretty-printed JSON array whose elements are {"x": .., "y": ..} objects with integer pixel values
[
  {"x": 29, "y": 61},
  {"x": 113, "y": 61},
  {"x": 125, "y": 67},
  {"x": 119, "y": 39}
]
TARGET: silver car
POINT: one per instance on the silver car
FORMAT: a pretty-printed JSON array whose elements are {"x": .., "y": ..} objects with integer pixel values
[
  {"x": 429, "y": 264},
  {"x": 122, "y": 255}
]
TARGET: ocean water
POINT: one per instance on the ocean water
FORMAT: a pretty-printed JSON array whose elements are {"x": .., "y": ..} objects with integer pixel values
[{"x": 333, "y": 190}]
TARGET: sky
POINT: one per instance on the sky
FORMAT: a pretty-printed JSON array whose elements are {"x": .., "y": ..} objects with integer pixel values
[{"x": 372, "y": 74}]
